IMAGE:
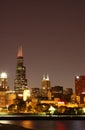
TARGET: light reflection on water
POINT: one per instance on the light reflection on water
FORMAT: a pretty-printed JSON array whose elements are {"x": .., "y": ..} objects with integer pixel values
[
  {"x": 60, "y": 126},
  {"x": 48, "y": 124},
  {"x": 5, "y": 121},
  {"x": 23, "y": 123},
  {"x": 70, "y": 125},
  {"x": 27, "y": 124}
]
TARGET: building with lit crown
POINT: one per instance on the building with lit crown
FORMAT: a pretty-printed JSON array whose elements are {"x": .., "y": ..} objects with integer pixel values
[
  {"x": 4, "y": 82},
  {"x": 20, "y": 82},
  {"x": 46, "y": 84}
]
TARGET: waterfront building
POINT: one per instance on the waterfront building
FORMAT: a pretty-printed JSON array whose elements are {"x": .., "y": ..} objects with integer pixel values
[
  {"x": 10, "y": 97},
  {"x": 2, "y": 99},
  {"x": 20, "y": 82}
]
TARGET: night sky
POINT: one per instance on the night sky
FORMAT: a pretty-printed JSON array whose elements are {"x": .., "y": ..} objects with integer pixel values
[{"x": 52, "y": 34}]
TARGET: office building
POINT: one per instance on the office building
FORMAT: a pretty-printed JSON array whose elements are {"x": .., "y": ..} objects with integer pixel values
[
  {"x": 57, "y": 92},
  {"x": 4, "y": 82},
  {"x": 46, "y": 85},
  {"x": 79, "y": 85}
]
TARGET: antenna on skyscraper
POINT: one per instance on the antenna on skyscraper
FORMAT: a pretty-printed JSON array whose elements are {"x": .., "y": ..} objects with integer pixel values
[{"x": 20, "y": 51}]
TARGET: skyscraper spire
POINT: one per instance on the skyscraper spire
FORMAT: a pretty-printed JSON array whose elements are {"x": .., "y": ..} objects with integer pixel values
[{"x": 20, "y": 52}]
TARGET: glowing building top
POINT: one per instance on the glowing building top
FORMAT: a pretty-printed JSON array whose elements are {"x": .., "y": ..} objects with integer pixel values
[
  {"x": 3, "y": 75},
  {"x": 20, "y": 52},
  {"x": 46, "y": 78}
]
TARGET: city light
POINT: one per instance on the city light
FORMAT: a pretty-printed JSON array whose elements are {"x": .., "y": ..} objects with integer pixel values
[
  {"x": 3, "y": 75},
  {"x": 77, "y": 77},
  {"x": 52, "y": 110},
  {"x": 26, "y": 94}
]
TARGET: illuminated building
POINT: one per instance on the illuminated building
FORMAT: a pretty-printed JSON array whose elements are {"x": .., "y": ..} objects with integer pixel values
[
  {"x": 7, "y": 98},
  {"x": 79, "y": 85},
  {"x": 3, "y": 82},
  {"x": 2, "y": 98},
  {"x": 10, "y": 97},
  {"x": 3, "y": 88},
  {"x": 46, "y": 84},
  {"x": 20, "y": 81}
]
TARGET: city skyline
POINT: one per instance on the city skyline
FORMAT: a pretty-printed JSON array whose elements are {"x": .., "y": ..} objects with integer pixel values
[{"x": 52, "y": 37}]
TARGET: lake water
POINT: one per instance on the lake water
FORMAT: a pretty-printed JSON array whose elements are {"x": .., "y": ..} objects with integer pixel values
[{"x": 48, "y": 124}]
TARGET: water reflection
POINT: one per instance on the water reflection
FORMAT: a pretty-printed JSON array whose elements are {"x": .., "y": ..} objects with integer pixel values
[
  {"x": 5, "y": 121},
  {"x": 27, "y": 124},
  {"x": 48, "y": 124},
  {"x": 70, "y": 125},
  {"x": 61, "y": 125},
  {"x": 23, "y": 123},
  {"x": 78, "y": 125}
]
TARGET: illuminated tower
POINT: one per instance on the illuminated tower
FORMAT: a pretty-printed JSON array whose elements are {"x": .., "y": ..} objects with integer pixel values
[
  {"x": 46, "y": 84},
  {"x": 20, "y": 81},
  {"x": 3, "y": 82}
]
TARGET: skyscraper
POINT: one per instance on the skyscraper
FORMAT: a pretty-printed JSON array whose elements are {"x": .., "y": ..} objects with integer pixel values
[
  {"x": 79, "y": 85},
  {"x": 4, "y": 82},
  {"x": 20, "y": 81},
  {"x": 46, "y": 84}
]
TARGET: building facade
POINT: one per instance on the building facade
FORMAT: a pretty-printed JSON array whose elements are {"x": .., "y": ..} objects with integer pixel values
[{"x": 35, "y": 92}]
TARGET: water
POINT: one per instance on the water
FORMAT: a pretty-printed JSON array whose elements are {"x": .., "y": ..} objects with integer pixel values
[{"x": 48, "y": 124}]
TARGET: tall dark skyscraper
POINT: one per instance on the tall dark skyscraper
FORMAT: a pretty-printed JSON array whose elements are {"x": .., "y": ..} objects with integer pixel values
[{"x": 20, "y": 82}]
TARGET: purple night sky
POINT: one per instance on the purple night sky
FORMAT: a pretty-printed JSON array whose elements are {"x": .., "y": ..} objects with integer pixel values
[{"x": 52, "y": 34}]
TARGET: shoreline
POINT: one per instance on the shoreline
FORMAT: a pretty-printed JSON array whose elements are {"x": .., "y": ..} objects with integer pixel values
[{"x": 41, "y": 117}]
